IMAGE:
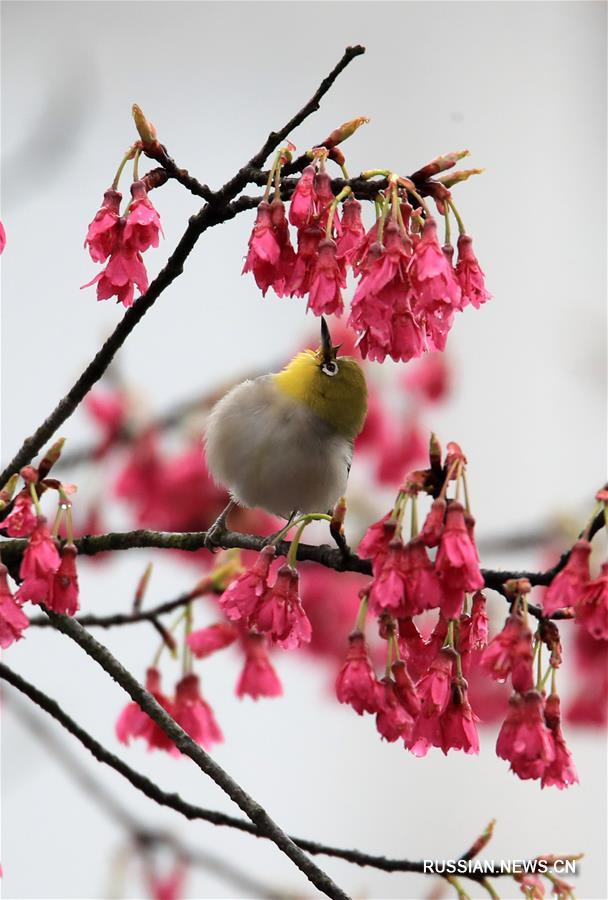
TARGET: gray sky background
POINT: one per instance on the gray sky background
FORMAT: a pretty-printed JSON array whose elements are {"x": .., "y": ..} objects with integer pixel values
[{"x": 522, "y": 85}]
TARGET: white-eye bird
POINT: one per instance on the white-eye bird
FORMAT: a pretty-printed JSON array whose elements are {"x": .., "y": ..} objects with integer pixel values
[{"x": 284, "y": 442}]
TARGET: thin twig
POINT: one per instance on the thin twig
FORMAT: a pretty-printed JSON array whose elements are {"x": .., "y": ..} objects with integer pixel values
[
  {"x": 142, "y": 835},
  {"x": 218, "y": 209},
  {"x": 253, "y": 810},
  {"x": 189, "y": 810}
]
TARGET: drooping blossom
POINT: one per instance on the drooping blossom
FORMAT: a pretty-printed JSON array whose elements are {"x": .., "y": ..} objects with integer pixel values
[
  {"x": 375, "y": 542},
  {"x": 13, "y": 620},
  {"x": 205, "y": 641},
  {"x": 194, "y": 714},
  {"x": 510, "y": 653},
  {"x": 405, "y": 688},
  {"x": 429, "y": 377},
  {"x": 287, "y": 256},
  {"x": 478, "y": 634},
  {"x": 356, "y": 680},
  {"x": 243, "y": 595},
  {"x": 133, "y": 722},
  {"x": 561, "y": 772},
  {"x": 104, "y": 231},
  {"x": 434, "y": 523},
  {"x": 63, "y": 585},
  {"x": 40, "y": 561},
  {"x": 388, "y": 590},
  {"x": 309, "y": 240},
  {"x": 124, "y": 272},
  {"x": 302, "y": 199},
  {"x": 327, "y": 280},
  {"x": 280, "y": 614},
  {"x": 524, "y": 739},
  {"x": 331, "y": 600},
  {"x": 458, "y": 724},
  {"x": 434, "y": 687},
  {"x": 258, "y": 677},
  {"x": 591, "y": 609},
  {"x": 393, "y": 720},
  {"x": 457, "y": 562},
  {"x": 469, "y": 274},
  {"x": 432, "y": 276},
  {"x": 568, "y": 585},
  {"x": 352, "y": 230},
  {"x": 588, "y": 706},
  {"x": 2, "y": 238},
  {"x": 414, "y": 650},
  {"x": 21, "y": 520},
  {"x": 142, "y": 221},
  {"x": 169, "y": 886},
  {"x": 264, "y": 251}
]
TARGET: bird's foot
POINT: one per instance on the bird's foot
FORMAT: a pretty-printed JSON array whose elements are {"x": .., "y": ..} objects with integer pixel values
[{"x": 215, "y": 533}]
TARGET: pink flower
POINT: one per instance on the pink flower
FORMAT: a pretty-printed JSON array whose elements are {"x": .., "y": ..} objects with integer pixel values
[
  {"x": 21, "y": 520},
  {"x": 142, "y": 222},
  {"x": 469, "y": 274},
  {"x": 2, "y": 238},
  {"x": 168, "y": 887},
  {"x": 434, "y": 687},
  {"x": 423, "y": 590},
  {"x": 510, "y": 653},
  {"x": 567, "y": 587},
  {"x": 258, "y": 678},
  {"x": 133, "y": 722},
  {"x": 434, "y": 523},
  {"x": 40, "y": 561},
  {"x": 264, "y": 251},
  {"x": 457, "y": 562},
  {"x": 13, "y": 620},
  {"x": 458, "y": 728},
  {"x": 429, "y": 378},
  {"x": 405, "y": 688},
  {"x": 280, "y": 613},
  {"x": 244, "y": 594},
  {"x": 124, "y": 270},
  {"x": 591, "y": 609},
  {"x": 63, "y": 585},
  {"x": 327, "y": 280},
  {"x": 302, "y": 199},
  {"x": 524, "y": 739},
  {"x": 393, "y": 720},
  {"x": 104, "y": 231},
  {"x": 375, "y": 542},
  {"x": 356, "y": 681},
  {"x": 431, "y": 274},
  {"x": 417, "y": 654},
  {"x": 287, "y": 257},
  {"x": 561, "y": 772},
  {"x": 309, "y": 239},
  {"x": 206, "y": 641},
  {"x": 194, "y": 714},
  {"x": 401, "y": 451},
  {"x": 387, "y": 593},
  {"x": 352, "y": 230}
]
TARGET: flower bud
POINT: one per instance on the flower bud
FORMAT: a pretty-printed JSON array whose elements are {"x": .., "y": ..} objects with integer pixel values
[{"x": 145, "y": 128}]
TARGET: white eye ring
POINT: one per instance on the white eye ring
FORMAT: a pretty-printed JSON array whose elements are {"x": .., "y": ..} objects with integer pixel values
[{"x": 330, "y": 368}]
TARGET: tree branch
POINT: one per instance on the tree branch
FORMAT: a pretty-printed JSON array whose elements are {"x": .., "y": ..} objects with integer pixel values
[
  {"x": 190, "y": 811},
  {"x": 218, "y": 209},
  {"x": 256, "y": 813},
  {"x": 12, "y": 550}
]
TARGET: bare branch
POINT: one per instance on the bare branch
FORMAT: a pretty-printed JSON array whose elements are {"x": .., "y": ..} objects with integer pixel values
[{"x": 256, "y": 813}]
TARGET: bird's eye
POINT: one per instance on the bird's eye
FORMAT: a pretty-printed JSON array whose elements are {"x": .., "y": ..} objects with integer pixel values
[{"x": 330, "y": 368}]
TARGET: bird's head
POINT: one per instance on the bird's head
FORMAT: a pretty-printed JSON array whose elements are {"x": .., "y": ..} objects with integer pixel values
[{"x": 332, "y": 386}]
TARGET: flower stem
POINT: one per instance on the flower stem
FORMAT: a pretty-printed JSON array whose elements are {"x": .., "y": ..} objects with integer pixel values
[
  {"x": 136, "y": 164},
  {"x": 293, "y": 550},
  {"x": 128, "y": 155},
  {"x": 461, "y": 228},
  {"x": 187, "y": 652},
  {"x": 414, "y": 520},
  {"x": 35, "y": 499},
  {"x": 448, "y": 229},
  {"x": 465, "y": 484},
  {"x": 332, "y": 210},
  {"x": 361, "y": 615}
]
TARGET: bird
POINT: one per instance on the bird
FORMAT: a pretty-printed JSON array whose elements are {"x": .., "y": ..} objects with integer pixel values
[{"x": 283, "y": 442}]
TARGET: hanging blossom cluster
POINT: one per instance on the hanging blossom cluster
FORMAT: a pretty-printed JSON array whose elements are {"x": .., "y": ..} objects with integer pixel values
[
  {"x": 118, "y": 240},
  {"x": 187, "y": 704},
  {"x": 422, "y": 698},
  {"x": 47, "y": 572},
  {"x": 409, "y": 286}
]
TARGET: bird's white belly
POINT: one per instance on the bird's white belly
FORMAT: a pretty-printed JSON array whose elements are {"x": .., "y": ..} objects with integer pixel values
[{"x": 271, "y": 451}]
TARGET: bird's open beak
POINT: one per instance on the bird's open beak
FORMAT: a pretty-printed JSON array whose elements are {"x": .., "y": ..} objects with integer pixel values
[{"x": 328, "y": 351}]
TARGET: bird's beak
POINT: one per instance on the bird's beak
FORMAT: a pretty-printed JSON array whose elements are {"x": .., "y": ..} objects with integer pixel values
[{"x": 327, "y": 349}]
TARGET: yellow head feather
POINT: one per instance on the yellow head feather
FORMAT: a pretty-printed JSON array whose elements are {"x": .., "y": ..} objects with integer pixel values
[{"x": 340, "y": 399}]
